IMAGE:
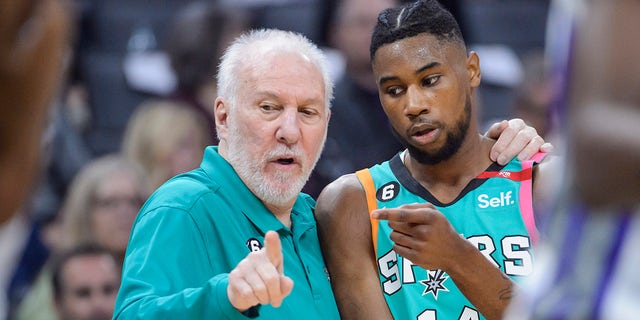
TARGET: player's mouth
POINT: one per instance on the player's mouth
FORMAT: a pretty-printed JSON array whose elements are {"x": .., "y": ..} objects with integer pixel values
[{"x": 424, "y": 133}]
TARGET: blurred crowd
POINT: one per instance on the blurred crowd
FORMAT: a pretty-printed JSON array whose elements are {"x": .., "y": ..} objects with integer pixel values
[{"x": 134, "y": 108}]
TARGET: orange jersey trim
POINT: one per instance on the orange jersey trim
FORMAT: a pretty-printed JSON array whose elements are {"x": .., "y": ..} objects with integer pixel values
[{"x": 370, "y": 191}]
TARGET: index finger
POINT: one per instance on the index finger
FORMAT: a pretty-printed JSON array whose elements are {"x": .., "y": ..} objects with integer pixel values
[
  {"x": 402, "y": 215},
  {"x": 273, "y": 248}
]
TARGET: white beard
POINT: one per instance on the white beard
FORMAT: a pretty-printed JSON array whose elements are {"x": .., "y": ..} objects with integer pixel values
[{"x": 280, "y": 189}]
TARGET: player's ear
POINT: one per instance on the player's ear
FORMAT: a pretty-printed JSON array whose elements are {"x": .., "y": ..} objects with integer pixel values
[{"x": 473, "y": 69}]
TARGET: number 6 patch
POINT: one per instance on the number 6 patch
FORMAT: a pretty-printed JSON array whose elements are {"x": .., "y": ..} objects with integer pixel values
[{"x": 388, "y": 191}]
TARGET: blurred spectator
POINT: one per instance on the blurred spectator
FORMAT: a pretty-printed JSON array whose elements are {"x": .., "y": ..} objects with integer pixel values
[
  {"x": 198, "y": 35},
  {"x": 102, "y": 203},
  {"x": 85, "y": 282},
  {"x": 64, "y": 155},
  {"x": 359, "y": 133},
  {"x": 165, "y": 138}
]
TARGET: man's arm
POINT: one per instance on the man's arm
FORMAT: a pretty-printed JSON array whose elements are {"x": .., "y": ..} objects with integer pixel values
[
  {"x": 33, "y": 38},
  {"x": 423, "y": 235},
  {"x": 168, "y": 275},
  {"x": 344, "y": 229}
]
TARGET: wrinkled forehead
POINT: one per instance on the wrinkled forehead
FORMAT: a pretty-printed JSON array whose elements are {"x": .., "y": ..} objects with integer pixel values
[
  {"x": 266, "y": 60},
  {"x": 288, "y": 70}
]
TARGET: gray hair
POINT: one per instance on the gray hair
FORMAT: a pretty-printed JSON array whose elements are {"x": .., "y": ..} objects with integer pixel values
[{"x": 251, "y": 47}]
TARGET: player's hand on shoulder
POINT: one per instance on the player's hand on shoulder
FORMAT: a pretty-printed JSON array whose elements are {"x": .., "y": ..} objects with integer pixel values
[
  {"x": 259, "y": 278},
  {"x": 515, "y": 138}
]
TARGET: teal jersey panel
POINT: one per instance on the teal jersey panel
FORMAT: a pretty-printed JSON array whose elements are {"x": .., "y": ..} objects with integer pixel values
[{"x": 493, "y": 211}]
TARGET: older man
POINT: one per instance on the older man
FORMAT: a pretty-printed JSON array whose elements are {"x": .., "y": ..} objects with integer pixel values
[{"x": 236, "y": 233}]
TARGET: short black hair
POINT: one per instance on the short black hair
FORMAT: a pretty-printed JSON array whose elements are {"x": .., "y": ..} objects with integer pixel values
[
  {"x": 60, "y": 260},
  {"x": 411, "y": 19}
]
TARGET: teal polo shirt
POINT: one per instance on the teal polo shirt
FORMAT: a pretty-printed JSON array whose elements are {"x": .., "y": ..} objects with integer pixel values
[{"x": 195, "y": 229}]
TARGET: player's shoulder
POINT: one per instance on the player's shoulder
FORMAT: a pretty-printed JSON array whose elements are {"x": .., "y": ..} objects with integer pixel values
[
  {"x": 344, "y": 186},
  {"x": 341, "y": 195}
]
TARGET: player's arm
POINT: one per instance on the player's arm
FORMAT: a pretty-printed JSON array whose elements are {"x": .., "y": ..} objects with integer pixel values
[
  {"x": 345, "y": 236},
  {"x": 423, "y": 235}
]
